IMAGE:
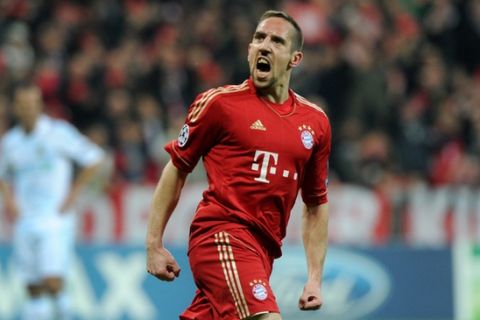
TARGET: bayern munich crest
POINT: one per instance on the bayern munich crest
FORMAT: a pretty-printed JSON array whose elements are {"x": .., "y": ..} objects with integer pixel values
[
  {"x": 306, "y": 135},
  {"x": 259, "y": 289},
  {"x": 183, "y": 136}
]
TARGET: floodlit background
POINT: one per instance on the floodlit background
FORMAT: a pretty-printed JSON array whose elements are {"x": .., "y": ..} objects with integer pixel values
[{"x": 399, "y": 79}]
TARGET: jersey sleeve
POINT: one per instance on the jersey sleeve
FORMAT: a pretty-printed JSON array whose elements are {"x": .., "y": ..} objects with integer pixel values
[
  {"x": 77, "y": 146},
  {"x": 314, "y": 187},
  {"x": 202, "y": 129}
]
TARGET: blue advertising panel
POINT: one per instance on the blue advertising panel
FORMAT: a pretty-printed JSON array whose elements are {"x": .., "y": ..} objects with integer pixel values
[
  {"x": 374, "y": 283},
  {"x": 110, "y": 282}
]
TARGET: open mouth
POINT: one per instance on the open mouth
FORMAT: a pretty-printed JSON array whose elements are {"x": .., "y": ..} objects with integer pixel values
[{"x": 263, "y": 65}]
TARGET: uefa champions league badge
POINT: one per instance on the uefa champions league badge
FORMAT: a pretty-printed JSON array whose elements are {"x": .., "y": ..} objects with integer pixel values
[
  {"x": 306, "y": 135},
  {"x": 183, "y": 136},
  {"x": 259, "y": 289}
]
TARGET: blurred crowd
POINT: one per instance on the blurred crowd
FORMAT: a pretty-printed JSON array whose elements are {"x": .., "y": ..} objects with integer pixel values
[{"x": 399, "y": 79}]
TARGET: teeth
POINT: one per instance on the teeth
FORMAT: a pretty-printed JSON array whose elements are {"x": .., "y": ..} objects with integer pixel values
[{"x": 263, "y": 65}]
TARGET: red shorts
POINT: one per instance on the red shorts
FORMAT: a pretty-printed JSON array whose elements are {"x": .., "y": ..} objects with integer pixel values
[{"x": 231, "y": 271}]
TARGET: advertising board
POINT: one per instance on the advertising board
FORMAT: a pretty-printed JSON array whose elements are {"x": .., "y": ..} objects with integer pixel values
[{"x": 110, "y": 282}]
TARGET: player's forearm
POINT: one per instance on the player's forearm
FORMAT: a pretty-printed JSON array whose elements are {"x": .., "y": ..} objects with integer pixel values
[
  {"x": 83, "y": 178},
  {"x": 3, "y": 188},
  {"x": 8, "y": 200},
  {"x": 6, "y": 192},
  {"x": 315, "y": 239},
  {"x": 164, "y": 201}
]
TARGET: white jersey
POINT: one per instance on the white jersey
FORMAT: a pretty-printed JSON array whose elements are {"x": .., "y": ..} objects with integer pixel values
[{"x": 39, "y": 164}]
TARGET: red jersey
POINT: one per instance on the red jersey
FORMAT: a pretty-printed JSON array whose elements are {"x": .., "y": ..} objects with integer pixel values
[{"x": 256, "y": 157}]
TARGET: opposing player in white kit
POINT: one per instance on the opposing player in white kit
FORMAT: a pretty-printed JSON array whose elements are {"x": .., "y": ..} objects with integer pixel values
[{"x": 36, "y": 174}]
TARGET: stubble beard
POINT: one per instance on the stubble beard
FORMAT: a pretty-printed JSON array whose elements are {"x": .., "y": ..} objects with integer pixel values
[{"x": 263, "y": 84}]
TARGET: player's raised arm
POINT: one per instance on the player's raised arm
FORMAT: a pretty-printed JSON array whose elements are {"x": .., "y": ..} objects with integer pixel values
[
  {"x": 160, "y": 262},
  {"x": 315, "y": 241}
]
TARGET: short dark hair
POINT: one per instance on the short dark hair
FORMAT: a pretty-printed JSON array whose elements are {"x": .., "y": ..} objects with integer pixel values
[
  {"x": 22, "y": 87},
  {"x": 25, "y": 85},
  {"x": 298, "y": 38}
]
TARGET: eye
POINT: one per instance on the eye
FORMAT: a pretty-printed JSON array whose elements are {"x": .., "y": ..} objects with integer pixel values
[
  {"x": 278, "y": 40},
  {"x": 258, "y": 37}
]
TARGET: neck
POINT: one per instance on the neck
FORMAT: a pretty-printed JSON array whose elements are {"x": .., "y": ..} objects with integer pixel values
[
  {"x": 278, "y": 94},
  {"x": 28, "y": 127},
  {"x": 278, "y": 91}
]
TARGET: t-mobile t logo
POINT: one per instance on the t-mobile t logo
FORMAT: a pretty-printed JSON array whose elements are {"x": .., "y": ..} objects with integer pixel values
[{"x": 265, "y": 167}]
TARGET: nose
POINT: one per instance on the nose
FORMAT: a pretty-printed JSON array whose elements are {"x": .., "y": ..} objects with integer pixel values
[
  {"x": 264, "y": 48},
  {"x": 264, "y": 51}
]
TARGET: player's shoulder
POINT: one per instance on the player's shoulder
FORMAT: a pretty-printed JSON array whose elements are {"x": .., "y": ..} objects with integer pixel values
[
  {"x": 226, "y": 91},
  {"x": 315, "y": 108},
  {"x": 12, "y": 136},
  {"x": 60, "y": 125},
  {"x": 58, "y": 131},
  {"x": 208, "y": 98}
]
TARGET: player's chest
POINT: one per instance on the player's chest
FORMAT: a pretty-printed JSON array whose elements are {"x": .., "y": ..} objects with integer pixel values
[
  {"x": 292, "y": 135},
  {"x": 33, "y": 154}
]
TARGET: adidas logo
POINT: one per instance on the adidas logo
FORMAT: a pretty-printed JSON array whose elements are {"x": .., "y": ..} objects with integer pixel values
[{"x": 258, "y": 125}]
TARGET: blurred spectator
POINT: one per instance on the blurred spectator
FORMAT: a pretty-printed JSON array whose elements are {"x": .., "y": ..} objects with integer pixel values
[
  {"x": 468, "y": 35},
  {"x": 153, "y": 128},
  {"x": 313, "y": 18},
  {"x": 17, "y": 51},
  {"x": 98, "y": 133},
  {"x": 131, "y": 159},
  {"x": 4, "y": 115}
]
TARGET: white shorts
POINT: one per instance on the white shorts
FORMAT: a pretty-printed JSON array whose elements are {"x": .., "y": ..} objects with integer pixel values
[{"x": 43, "y": 247}]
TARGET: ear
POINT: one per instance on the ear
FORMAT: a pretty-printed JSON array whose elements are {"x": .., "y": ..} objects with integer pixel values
[{"x": 296, "y": 59}]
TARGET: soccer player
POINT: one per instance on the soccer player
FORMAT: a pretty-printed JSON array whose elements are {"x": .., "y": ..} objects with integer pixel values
[
  {"x": 36, "y": 173},
  {"x": 260, "y": 143}
]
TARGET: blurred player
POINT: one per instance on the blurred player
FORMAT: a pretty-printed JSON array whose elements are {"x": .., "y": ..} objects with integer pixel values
[
  {"x": 260, "y": 143},
  {"x": 36, "y": 172}
]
